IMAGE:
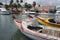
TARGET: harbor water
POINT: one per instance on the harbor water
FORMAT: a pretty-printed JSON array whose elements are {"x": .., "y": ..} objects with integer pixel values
[{"x": 8, "y": 30}]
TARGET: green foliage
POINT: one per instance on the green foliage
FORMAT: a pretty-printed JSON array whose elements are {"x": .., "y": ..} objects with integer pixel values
[
  {"x": 6, "y": 6},
  {"x": 21, "y": 1},
  {"x": 39, "y": 5},
  {"x": 11, "y": 5},
  {"x": 19, "y": 5},
  {"x": 1, "y": 3},
  {"x": 27, "y": 5},
  {"x": 14, "y": 5},
  {"x": 17, "y": 1},
  {"x": 11, "y": 2},
  {"x": 34, "y": 3}
]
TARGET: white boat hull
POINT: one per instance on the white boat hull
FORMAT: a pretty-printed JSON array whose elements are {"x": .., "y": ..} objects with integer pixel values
[
  {"x": 33, "y": 37},
  {"x": 33, "y": 34}
]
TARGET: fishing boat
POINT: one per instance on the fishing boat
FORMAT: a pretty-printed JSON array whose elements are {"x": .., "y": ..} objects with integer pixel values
[
  {"x": 37, "y": 33},
  {"x": 47, "y": 22}
]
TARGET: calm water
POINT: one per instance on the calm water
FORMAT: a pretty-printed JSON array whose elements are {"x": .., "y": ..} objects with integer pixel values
[{"x": 8, "y": 30}]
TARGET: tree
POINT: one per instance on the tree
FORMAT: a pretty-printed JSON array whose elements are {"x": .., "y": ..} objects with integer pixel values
[
  {"x": 1, "y": 3},
  {"x": 11, "y": 5},
  {"x": 14, "y": 5},
  {"x": 19, "y": 5},
  {"x": 29, "y": 6},
  {"x": 11, "y": 2},
  {"x": 21, "y": 1},
  {"x": 39, "y": 5},
  {"x": 6, "y": 6},
  {"x": 34, "y": 3},
  {"x": 17, "y": 1},
  {"x": 25, "y": 5}
]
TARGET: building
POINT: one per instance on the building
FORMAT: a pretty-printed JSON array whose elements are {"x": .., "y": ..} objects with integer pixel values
[{"x": 44, "y": 8}]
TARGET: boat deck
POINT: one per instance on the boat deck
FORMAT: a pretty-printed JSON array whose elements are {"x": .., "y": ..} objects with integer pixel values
[
  {"x": 47, "y": 30},
  {"x": 52, "y": 31}
]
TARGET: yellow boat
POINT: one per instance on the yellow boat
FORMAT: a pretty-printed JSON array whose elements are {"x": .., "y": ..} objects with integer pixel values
[{"x": 47, "y": 23}]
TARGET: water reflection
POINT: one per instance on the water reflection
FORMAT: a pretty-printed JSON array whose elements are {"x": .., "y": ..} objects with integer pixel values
[
  {"x": 19, "y": 36},
  {"x": 8, "y": 30}
]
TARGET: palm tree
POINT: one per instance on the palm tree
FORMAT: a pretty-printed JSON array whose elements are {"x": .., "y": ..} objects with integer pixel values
[
  {"x": 17, "y": 1},
  {"x": 11, "y": 2},
  {"x": 34, "y": 3},
  {"x": 29, "y": 6},
  {"x": 21, "y": 1},
  {"x": 6, "y": 6},
  {"x": 14, "y": 5},
  {"x": 38, "y": 5},
  {"x": 18, "y": 4},
  {"x": 25, "y": 5},
  {"x": 1, "y": 3}
]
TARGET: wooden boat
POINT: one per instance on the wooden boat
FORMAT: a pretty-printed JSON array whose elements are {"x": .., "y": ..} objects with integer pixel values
[
  {"x": 34, "y": 32},
  {"x": 47, "y": 23}
]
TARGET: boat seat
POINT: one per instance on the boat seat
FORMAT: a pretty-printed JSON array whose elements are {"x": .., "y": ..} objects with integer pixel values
[
  {"x": 34, "y": 28},
  {"x": 52, "y": 20}
]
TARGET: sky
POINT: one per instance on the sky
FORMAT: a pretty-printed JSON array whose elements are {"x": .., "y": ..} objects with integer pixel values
[{"x": 41, "y": 2}]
